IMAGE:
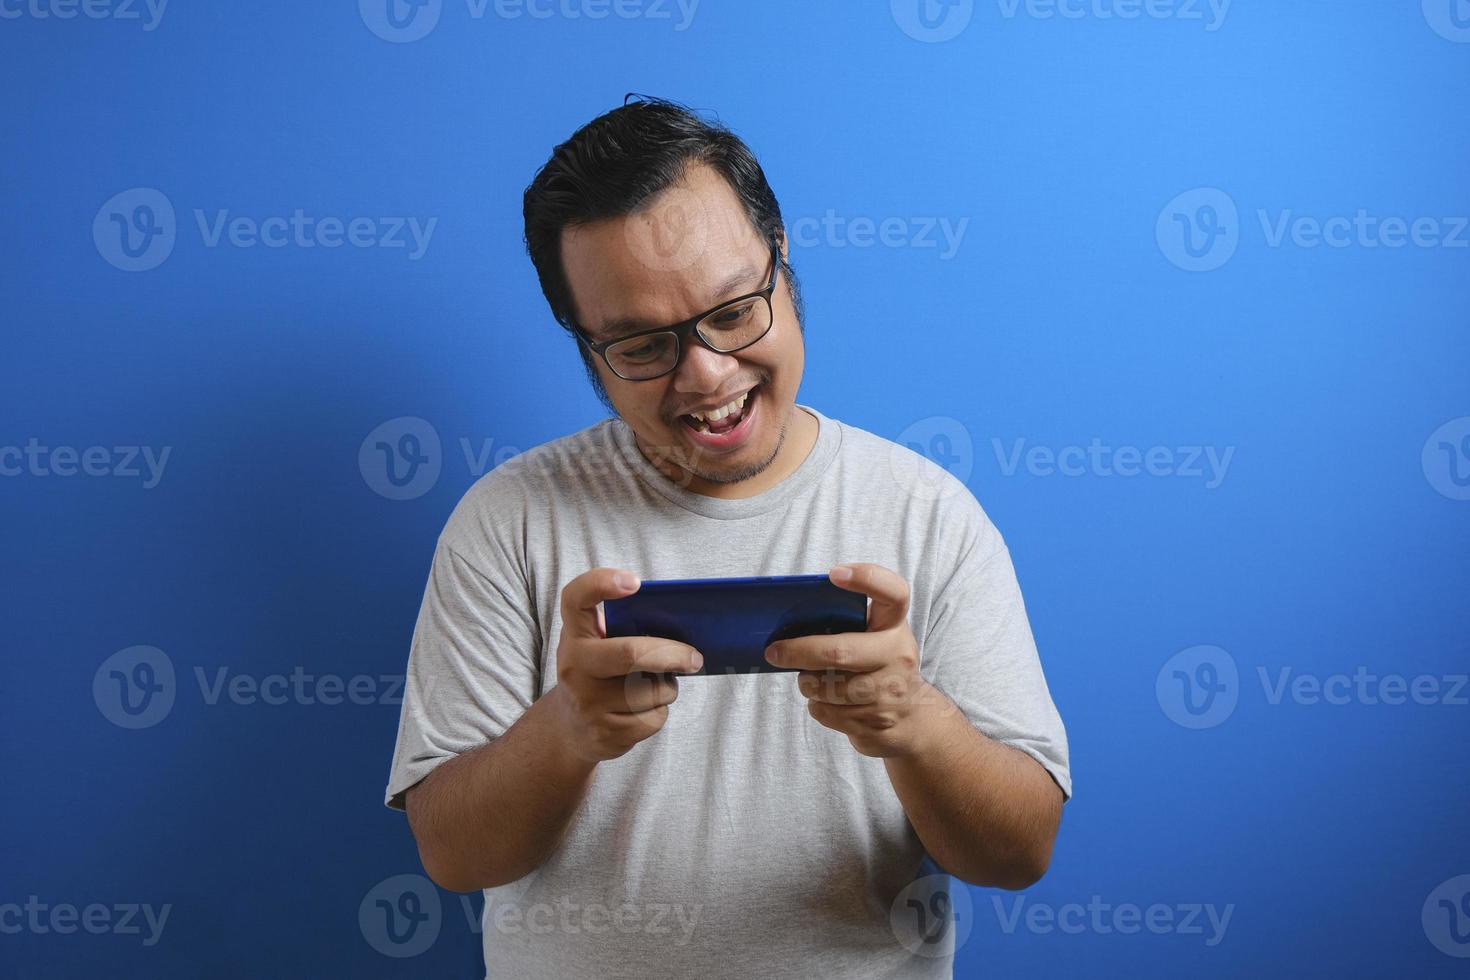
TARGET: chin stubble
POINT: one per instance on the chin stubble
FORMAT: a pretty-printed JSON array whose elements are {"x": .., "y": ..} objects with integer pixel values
[{"x": 747, "y": 472}]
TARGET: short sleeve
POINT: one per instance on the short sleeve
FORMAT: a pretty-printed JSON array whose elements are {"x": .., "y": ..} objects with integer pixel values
[
  {"x": 978, "y": 648},
  {"x": 473, "y": 665}
]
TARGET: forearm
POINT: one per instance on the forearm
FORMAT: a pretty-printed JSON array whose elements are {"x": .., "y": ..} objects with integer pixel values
[
  {"x": 986, "y": 813},
  {"x": 493, "y": 815}
]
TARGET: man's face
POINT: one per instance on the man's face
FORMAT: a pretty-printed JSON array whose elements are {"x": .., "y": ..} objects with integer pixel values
[{"x": 688, "y": 249}]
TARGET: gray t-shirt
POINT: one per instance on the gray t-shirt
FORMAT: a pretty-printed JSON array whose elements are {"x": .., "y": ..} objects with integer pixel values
[{"x": 744, "y": 839}]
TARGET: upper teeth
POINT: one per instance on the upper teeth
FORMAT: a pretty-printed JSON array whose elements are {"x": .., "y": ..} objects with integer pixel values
[{"x": 722, "y": 411}]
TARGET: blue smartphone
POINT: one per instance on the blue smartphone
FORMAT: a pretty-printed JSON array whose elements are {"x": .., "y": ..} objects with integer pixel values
[{"x": 730, "y": 621}]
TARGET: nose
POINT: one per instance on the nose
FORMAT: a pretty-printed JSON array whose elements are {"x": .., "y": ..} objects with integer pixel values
[{"x": 703, "y": 371}]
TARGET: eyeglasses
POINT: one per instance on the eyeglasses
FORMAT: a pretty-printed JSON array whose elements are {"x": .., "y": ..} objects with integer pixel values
[{"x": 729, "y": 327}]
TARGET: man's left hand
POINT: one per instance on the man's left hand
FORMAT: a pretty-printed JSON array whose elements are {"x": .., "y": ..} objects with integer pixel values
[{"x": 867, "y": 685}]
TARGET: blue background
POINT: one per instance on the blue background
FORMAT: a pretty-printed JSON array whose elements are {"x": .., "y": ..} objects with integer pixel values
[{"x": 1062, "y": 318}]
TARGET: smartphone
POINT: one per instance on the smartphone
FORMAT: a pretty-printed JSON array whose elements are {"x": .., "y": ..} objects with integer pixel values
[{"x": 730, "y": 621}]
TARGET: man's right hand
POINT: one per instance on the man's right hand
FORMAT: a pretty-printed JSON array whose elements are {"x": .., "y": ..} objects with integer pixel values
[{"x": 612, "y": 693}]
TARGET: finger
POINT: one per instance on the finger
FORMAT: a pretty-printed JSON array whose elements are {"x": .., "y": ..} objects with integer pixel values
[
  {"x": 619, "y": 655},
  {"x": 579, "y": 599},
  {"x": 828, "y": 686},
  {"x": 841, "y": 687},
  {"x": 888, "y": 590},
  {"x": 829, "y": 715},
  {"x": 644, "y": 692},
  {"x": 856, "y": 652},
  {"x": 643, "y": 722},
  {"x": 835, "y": 686}
]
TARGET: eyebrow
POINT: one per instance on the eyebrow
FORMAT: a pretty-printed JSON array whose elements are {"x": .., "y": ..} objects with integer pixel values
[{"x": 621, "y": 326}]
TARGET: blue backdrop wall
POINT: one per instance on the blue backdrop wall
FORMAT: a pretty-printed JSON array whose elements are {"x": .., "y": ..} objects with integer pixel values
[{"x": 1179, "y": 288}]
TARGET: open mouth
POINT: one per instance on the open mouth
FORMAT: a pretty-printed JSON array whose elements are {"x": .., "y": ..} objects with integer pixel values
[{"x": 727, "y": 430}]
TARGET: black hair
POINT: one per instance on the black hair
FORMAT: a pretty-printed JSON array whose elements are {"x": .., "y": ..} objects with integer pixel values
[{"x": 616, "y": 162}]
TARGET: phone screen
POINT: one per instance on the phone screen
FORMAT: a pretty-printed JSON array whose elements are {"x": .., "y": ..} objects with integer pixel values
[{"x": 730, "y": 621}]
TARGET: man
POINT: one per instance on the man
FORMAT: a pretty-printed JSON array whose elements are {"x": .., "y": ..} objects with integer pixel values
[{"x": 623, "y": 824}]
